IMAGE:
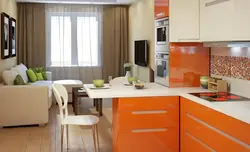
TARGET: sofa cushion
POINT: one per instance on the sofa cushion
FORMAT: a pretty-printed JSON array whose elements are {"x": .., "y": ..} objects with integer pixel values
[
  {"x": 39, "y": 76},
  {"x": 21, "y": 69},
  {"x": 44, "y": 83},
  {"x": 41, "y": 70},
  {"x": 9, "y": 77},
  {"x": 31, "y": 75},
  {"x": 19, "y": 80}
]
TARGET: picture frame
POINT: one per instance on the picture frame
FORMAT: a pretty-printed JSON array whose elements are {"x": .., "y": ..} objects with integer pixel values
[
  {"x": 5, "y": 35},
  {"x": 12, "y": 38}
]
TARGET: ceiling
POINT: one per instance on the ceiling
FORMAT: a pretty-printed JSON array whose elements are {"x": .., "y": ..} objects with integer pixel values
[{"x": 80, "y": 1}]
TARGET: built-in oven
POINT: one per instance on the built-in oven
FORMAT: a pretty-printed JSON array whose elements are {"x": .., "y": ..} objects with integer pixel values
[
  {"x": 162, "y": 68},
  {"x": 162, "y": 35}
]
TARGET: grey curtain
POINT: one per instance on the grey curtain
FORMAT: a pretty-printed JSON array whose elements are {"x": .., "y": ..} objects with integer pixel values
[
  {"x": 31, "y": 44},
  {"x": 115, "y": 40}
]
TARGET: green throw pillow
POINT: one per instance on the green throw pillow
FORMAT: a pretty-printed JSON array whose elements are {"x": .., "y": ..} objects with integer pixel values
[
  {"x": 41, "y": 70},
  {"x": 39, "y": 76},
  {"x": 19, "y": 80},
  {"x": 31, "y": 75}
]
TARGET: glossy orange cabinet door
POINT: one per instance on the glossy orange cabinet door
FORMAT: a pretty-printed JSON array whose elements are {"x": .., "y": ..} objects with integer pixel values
[
  {"x": 237, "y": 129},
  {"x": 148, "y": 103},
  {"x": 147, "y": 140},
  {"x": 146, "y": 124},
  {"x": 148, "y": 119},
  {"x": 192, "y": 144},
  {"x": 161, "y": 8},
  {"x": 208, "y": 135}
]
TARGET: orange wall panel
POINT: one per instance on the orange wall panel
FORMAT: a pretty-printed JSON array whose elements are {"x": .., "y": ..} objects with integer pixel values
[{"x": 188, "y": 61}]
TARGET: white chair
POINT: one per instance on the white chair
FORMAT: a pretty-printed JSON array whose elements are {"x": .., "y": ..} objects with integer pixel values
[{"x": 61, "y": 96}]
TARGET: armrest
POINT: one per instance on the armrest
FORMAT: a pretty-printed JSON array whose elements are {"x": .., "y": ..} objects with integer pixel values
[{"x": 49, "y": 75}]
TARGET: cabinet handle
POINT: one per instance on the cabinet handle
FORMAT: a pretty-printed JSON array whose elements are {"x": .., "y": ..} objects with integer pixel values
[
  {"x": 149, "y": 112},
  {"x": 149, "y": 130},
  {"x": 215, "y": 2},
  {"x": 189, "y": 39},
  {"x": 199, "y": 141}
]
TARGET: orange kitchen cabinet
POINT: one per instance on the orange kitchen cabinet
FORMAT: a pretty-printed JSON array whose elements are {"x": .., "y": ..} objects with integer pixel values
[
  {"x": 147, "y": 140},
  {"x": 208, "y": 130},
  {"x": 148, "y": 119},
  {"x": 192, "y": 144},
  {"x": 148, "y": 103},
  {"x": 161, "y": 8},
  {"x": 146, "y": 124}
]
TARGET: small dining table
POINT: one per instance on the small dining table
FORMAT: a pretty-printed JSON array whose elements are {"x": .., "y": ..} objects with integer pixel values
[{"x": 77, "y": 92}]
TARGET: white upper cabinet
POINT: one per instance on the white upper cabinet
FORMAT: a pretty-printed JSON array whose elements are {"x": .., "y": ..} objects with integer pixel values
[
  {"x": 209, "y": 20},
  {"x": 241, "y": 27},
  {"x": 216, "y": 20},
  {"x": 225, "y": 20},
  {"x": 184, "y": 20}
]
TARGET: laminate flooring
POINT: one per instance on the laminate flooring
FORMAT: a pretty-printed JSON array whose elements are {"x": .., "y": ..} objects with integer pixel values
[{"x": 47, "y": 138}]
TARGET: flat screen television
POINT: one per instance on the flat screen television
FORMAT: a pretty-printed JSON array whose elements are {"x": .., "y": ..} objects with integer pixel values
[{"x": 141, "y": 53}]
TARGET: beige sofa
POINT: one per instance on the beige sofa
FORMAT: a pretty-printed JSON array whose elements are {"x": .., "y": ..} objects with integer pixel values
[{"x": 24, "y": 104}]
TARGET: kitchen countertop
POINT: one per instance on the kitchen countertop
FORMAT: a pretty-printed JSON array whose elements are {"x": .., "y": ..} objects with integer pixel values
[{"x": 238, "y": 109}]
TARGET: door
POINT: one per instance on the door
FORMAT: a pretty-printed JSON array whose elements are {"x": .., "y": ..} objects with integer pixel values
[
  {"x": 161, "y": 35},
  {"x": 184, "y": 20},
  {"x": 216, "y": 20}
]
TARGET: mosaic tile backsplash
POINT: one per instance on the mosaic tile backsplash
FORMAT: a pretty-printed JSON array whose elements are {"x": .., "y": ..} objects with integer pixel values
[{"x": 230, "y": 66}]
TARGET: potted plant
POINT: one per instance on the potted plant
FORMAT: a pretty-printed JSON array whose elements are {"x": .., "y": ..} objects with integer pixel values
[{"x": 127, "y": 68}]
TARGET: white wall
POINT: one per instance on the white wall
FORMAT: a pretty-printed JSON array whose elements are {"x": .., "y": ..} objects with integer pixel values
[{"x": 141, "y": 27}]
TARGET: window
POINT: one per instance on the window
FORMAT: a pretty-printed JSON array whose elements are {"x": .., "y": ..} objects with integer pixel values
[
  {"x": 73, "y": 40},
  {"x": 87, "y": 41},
  {"x": 60, "y": 41}
]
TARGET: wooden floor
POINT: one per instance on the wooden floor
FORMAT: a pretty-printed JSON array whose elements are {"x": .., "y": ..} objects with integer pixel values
[{"x": 47, "y": 138}]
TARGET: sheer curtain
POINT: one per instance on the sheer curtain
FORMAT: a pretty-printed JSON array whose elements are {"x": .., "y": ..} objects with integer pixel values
[{"x": 73, "y": 41}]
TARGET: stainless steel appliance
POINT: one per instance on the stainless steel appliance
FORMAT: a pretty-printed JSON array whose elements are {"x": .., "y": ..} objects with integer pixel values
[
  {"x": 162, "y": 68},
  {"x": 162, "y": 35}
]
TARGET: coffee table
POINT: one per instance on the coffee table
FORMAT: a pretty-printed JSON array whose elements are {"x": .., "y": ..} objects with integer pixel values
[{"x": 76, "y": 94}]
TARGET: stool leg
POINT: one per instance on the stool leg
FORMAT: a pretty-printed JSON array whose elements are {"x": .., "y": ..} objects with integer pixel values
[
  {"x": 67, "y": 134},
  {"x": 97, "y": 135},
  {"x": 94, "y": 103},
  {"x": 94, "y": 136},
  {"x": 62, "y": 131}
]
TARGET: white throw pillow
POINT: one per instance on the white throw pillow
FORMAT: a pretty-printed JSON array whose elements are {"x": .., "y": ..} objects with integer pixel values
[
  {"x": 21, "y": 69},
  {"x": 9, "y": 77}
]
